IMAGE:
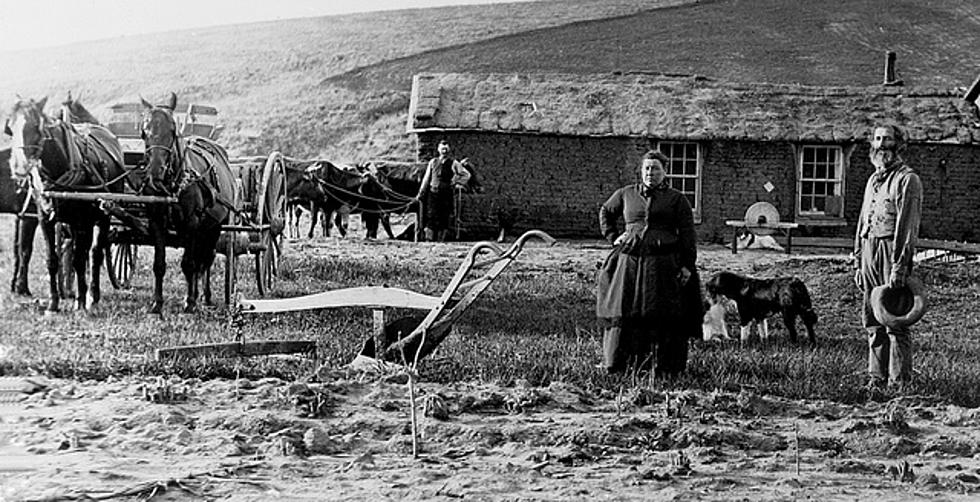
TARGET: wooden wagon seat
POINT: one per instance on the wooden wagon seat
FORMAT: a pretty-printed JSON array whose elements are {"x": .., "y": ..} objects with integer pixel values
[{"x": 424, "y": 335}]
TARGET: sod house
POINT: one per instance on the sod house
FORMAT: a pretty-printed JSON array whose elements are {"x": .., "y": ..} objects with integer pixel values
[{"x": 549, "y": 149}]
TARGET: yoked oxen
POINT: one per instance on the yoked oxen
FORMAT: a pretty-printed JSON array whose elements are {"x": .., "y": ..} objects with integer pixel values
[
  {"x": 55, "y": 155},
  {"x": 391, "y": 188},
  {"x": 324, "y": 187}
]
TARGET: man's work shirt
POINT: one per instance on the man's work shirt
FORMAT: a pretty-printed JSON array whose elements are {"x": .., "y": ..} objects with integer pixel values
[
  {"x": 443, "y": 174},
  {"x": 892, "y": 209}
]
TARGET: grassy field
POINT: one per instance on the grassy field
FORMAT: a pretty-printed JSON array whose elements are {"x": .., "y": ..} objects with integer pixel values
[{"x": 534, "y": 324}]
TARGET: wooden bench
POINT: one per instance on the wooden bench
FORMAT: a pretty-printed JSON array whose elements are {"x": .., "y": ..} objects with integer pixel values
[{"x": 785, "y": 228}]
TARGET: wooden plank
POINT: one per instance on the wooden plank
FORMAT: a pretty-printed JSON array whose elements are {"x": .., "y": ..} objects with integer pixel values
[
  {"x": 369, "y": 296},
  {"x": 246, "y": 228},
  {"x": 115, "y": 197},
  {"x": 822, "y": 223},
  {"x": 848, "y": 243},
  {"x": 238, "y": 349},
  {"x": 782, "y": 225},
  {"x": 824, "y": 242},
  {"x": 955, "y": 246}
]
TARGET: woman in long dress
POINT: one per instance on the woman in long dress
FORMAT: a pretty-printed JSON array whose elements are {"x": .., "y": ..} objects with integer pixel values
[{"x": 649, "y": 294}]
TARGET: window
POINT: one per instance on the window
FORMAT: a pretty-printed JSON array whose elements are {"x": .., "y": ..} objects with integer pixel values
[
  {"x": 820, "y": 184},
  {"x": 684, "y": 171}
]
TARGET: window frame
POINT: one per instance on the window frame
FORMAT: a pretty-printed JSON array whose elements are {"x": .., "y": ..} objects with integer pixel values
[
  {"x": 697, "y": 177},
  {"x": 839, "y": 181}
]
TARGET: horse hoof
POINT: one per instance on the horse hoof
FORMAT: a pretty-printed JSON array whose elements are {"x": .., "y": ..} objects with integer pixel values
[{"x": 48, "y": 313}]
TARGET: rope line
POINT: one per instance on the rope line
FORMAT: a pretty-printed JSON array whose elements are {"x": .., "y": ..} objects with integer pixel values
[{"x": 359, "y": 198}]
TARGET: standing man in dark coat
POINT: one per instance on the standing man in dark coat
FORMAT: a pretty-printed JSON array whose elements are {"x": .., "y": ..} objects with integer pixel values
[{"x": 441, "y": 177}]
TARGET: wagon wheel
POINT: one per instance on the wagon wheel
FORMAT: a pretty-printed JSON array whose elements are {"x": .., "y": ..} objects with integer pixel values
[
  {"x": 271, "y": 203},
  {"x": 122, "y": 263}
]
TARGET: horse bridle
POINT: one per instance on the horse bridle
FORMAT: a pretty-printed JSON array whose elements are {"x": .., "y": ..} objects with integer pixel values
[
  {"x": 33, "y": 152},
  {"x": 173, "y": 150}
]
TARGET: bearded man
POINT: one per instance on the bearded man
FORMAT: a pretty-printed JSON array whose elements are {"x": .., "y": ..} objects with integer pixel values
[{"x": 884, "y": 245}]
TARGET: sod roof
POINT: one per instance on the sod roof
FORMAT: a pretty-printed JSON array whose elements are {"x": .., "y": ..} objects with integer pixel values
[{"x": 684, "y": 107}]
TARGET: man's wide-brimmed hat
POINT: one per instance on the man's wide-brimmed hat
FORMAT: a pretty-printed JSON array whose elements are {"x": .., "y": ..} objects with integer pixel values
[{"x": 899, "y": 307}]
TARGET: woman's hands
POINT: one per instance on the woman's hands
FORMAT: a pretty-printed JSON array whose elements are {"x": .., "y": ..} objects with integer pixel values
[
  {"x": 898, "y": 278},
  {"x": 627, "y": 242},
  {"x": 684, "y": 275}
]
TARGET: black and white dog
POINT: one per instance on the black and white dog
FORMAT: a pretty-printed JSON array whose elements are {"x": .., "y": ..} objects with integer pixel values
[{"x": 758, "y": 298}]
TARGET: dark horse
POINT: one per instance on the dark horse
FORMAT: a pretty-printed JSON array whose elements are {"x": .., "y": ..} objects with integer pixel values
[
  {"x": 58, "y": 156},
  {"x": 16, "y": 198},
  {"x": 196, "y": 171}
]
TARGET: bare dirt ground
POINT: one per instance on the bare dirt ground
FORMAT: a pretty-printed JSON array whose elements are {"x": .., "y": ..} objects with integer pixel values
[{"x": 344, "y": 436}]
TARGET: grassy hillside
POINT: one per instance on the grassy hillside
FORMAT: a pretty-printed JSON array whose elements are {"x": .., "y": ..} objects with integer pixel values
[
  {"x": 829, "y": 42},
  {"x": 338, "y": 86},
  {"x": 266, "y": 77}
]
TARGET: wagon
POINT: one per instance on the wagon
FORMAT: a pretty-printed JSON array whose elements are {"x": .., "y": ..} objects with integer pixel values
[{"x": 259, "y": 204}]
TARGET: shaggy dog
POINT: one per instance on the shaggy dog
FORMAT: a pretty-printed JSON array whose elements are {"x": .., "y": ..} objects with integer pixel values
[{"x": 758, "y": 298}]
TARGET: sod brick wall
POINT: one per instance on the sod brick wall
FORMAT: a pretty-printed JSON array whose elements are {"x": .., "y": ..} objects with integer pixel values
[{"x": 557, "y": 183}]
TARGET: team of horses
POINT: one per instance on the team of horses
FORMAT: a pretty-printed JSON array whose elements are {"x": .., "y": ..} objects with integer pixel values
[{"x": 54, "y": 160}]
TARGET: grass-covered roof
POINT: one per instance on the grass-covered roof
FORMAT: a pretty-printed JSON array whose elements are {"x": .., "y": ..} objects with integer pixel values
[{"x": 684, "y": 107}]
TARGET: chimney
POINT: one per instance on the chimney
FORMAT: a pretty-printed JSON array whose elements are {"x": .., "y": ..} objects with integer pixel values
[{"x": 890, "y": 70}]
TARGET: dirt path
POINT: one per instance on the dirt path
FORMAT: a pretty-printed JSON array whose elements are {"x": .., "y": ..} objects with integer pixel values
[{"x": 350, "y": 439}]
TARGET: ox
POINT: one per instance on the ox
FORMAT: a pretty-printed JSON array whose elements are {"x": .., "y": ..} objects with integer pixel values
[
  {"x": 322, "y": 186},
  {"x": 392, "y": 187}
]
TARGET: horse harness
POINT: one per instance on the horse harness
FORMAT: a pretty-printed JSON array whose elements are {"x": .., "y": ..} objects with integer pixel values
[
  {"x": 79, "y": 150},
  {"x": 208, "y": 178}
]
